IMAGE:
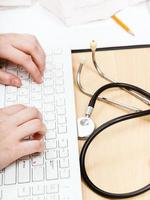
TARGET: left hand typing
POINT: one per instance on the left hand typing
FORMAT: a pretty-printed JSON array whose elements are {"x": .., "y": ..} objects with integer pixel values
[{"x": 24, "y": 50}]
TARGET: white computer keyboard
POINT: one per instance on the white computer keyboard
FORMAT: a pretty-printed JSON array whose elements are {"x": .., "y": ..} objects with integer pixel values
[{"x": 53, "y": 174}]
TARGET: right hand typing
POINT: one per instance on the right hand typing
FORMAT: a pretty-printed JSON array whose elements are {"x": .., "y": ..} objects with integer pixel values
[{"x": 16, "y": 124}]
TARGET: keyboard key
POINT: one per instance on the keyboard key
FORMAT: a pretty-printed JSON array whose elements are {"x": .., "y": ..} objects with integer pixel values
[
  {"x": 63, "y": 142},
  {"x": 51, "y": 170},
  {"x": 62, "y": 129},
  {"x": 59, "y": 73},
  {"x": 59, "y": 81},
  {"x": 52, "y": 197},
  {"x": 48, "y": 59},
  {"x": 38, "y": 173},
  {"x": 10, "y": 103},
  {"x": 26, "y": 198},
  {"x": 65, "y": 197},
  {"x": 60, "y": 101},
  {"x": 23, "y": 92},
  {"x": 48, "y": 107},
  {"x": 59, "y": 89},
  {"x": 24, "y": 191},
  {"x": 10, "y": 174},
  {"x": 11, "y": 97},
  {"x": 61, "y": 110},
  {"x": 36, "y": 96},
  {"x": 50, "y": 134},
  {"x": 48, "y": 99},
  {"x": 59, "y": 66},
  {"x": 58, "y": 59},
  {"x": 52, "y": 188},
  {"x": 49, "y": 116},
  {"x": 51, "y": 144},
  {"x": 64, "y": 173},
  {"x": 1, "y": 178},
  {"x": 1, "y": 196},
  {"x": 48, "y": 81},
  {"x": 23, "y": 100},
  {"x": 64, "y": 162},
  {"x": 50, "y": 125},
  {"x": 63, "y": 152},
  {"x": 57, "y": 51},
  {"x": 23, "y": 171},
  {"x": 48, "y": 90},
  {"x": 51, "y": 154},
  {"x": 47, "y": 75},
  {"x": 37, "y": 159},
  {"x": 25, "y": 83},
  {"x": 11, "y": 89},
  {"x": 61, "y": 119},
  {"x": 37, "y": 189},
  {"x": 35, "y": 88},
  {"x": 37, "y": 198}
]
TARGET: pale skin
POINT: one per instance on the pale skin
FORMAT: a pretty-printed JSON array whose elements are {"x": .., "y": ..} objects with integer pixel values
[{"x": 17, "y": 122}]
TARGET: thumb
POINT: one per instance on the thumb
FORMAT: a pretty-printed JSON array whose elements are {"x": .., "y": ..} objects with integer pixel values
[{"x": 9, "y": 79}]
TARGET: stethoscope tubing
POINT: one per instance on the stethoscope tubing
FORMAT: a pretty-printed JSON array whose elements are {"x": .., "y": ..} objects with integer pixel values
[{"x": 105, "y": 126}]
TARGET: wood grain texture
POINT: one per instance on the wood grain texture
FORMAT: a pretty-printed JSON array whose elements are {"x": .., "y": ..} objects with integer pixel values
[{"x": 119, "y": 159}]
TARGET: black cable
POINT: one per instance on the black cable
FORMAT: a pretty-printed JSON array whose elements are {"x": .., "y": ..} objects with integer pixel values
[{"x": 97, "y": 131}]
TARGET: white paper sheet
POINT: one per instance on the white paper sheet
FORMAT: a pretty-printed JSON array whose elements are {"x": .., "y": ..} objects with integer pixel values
[
  {"x": 107, "y": 33},
  {"x": 80, "y": 11}
]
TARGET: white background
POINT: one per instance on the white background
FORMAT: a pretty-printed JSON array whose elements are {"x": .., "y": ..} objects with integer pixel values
[{"x": 49, "y": 29}]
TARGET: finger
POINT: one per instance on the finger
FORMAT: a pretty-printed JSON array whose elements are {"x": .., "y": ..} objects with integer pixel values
[
  {"x": 9, "y": 79},
  {"x": 9, "y": 110},
  {"x": 30, "y": 128},
  {"x": 29, "y": 147},
  {"x": 25, "y": 115},
  {"x": 30, "y": 45},
  {"x": 43, "y": 55},
  {"x": 18, "y": 57}
]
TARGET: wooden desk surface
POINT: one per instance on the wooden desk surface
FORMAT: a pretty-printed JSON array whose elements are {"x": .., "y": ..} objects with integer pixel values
[{"x": 119, "y": 159}]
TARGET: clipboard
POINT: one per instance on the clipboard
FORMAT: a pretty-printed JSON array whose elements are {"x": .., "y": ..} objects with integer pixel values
[
  {"x": 118, "y": 160},
  {"x": 113, "y": 48}
]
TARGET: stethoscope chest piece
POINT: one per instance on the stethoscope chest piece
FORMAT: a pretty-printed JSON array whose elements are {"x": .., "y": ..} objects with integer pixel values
[{"x": 85, "y": 127}]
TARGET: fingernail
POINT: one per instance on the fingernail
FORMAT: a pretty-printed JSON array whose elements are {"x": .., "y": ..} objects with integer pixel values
[
  {"x": 40, "y": 80},
  {"x": 15, "y": 82}
]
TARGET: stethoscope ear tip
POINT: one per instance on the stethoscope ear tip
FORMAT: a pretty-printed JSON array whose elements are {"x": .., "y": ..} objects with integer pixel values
[
  {"x": 85, "y": 127},
  {"x": 93, "y": 45}
]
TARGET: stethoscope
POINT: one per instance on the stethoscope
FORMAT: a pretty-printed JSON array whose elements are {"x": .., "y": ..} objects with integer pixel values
[
  {"x": 88, "y": 131},
  {"x": 85, "y": 124}
]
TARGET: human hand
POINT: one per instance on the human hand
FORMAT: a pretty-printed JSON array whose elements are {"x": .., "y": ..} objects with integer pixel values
[
  {"x": 23, "y": 50},
  {"x": 16, "y": 124}
]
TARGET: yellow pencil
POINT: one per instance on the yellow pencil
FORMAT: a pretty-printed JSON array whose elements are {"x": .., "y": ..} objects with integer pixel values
[{"x": 122, "y": 24}]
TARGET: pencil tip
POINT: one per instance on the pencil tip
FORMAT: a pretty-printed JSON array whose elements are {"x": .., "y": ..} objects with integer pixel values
[{"x": 131, "y": 33}]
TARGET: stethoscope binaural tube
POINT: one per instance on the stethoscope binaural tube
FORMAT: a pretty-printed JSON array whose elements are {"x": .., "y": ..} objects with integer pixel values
[
  {"x": 99, "y": 130},
  {"x": 93, "y": 46}
]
